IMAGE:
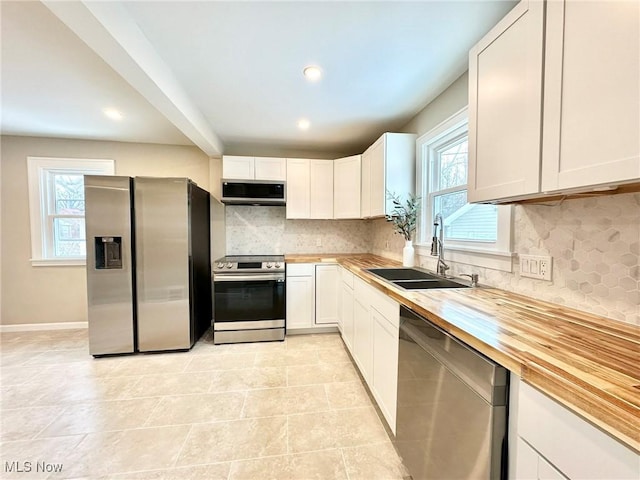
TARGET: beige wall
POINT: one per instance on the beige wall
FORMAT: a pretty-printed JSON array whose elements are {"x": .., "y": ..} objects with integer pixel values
[
  {"x": 58, "y": 294},
  {"x": 453, "y": 99}
]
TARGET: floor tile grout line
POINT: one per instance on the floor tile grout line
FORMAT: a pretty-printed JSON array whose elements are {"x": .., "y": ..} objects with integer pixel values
[
  {"x": 184, "y": 443},
  {"x": 37, "y": 436},
  {"x": 344, "y": 462}
]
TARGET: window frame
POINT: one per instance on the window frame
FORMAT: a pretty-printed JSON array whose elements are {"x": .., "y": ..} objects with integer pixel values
[
  {"x": 39, "y": 171},
  {"x": 496, "y": 255}
]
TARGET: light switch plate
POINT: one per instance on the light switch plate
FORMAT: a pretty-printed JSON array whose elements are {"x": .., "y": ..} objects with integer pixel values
[{"x": 536, "y": 266}]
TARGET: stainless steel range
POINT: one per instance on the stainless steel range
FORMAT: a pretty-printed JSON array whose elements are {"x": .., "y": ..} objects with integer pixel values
[{"x": 249, "y": 299}]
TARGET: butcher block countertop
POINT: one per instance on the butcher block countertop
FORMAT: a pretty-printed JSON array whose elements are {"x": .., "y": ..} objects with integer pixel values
[{"x": 586, "y": 362}]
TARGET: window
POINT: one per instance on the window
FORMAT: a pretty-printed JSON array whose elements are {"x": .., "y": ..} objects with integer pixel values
[
  {"x": 476, "y": 234},
  {"x": 56, "y": 206}
]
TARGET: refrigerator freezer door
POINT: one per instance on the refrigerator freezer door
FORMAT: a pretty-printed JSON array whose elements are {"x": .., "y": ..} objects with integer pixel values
[
  {"x": 162, "y": 261},
  {"x": 109, "y": 264}
]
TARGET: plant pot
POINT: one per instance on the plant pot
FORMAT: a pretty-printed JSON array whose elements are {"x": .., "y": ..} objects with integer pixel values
[{"x": 408, "y": 254}]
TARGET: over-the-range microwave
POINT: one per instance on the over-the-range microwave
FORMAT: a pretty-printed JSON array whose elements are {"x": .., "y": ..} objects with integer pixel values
[{"x": 254, "y": 192}]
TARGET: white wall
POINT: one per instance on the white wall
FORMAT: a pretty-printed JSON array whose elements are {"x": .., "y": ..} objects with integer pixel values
[{"x": 58, "y": 294}]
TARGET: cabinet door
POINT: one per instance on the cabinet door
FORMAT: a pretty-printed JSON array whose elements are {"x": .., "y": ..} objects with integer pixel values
[
  {"x": 385, "y": 366},
  {"x": 591, "y": 128},
  {"x": 238, "y": 168},
  {"x": 270, "y": 168},
  {"x": 346, "y": 316},
  {"x": 300, "y": 305},
  {"x": 327, "y": 279},
  {"x": 346, "y": 183},
  {"x": 321, "y": 189},
  {"x": 378, "y": 180},
  {"x": 298, "y": 179},
  {"x": 365, "y": 184},
  {"x": 363, "y": 339},
  {"x": 505, "y": 106}
]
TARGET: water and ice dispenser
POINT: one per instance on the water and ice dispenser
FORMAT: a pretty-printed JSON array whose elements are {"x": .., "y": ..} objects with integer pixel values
[{"x": 108, "y": 251}]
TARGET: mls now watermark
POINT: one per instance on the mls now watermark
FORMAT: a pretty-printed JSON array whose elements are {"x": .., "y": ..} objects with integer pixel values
[{"x": 27, "y": 467}]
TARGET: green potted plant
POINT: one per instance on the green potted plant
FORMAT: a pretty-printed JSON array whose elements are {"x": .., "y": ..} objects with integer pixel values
[{"x": 404, "y": 217}]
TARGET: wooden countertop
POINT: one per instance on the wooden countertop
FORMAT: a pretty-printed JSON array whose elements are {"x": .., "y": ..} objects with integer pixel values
[{"x": 588, "y": 363}]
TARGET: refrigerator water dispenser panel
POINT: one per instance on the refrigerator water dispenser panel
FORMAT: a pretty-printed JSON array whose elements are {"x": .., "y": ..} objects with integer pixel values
[{"x": 108, "y": 251}]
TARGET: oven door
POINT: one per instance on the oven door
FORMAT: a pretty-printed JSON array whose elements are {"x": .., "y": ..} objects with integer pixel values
[{"x": 249, "y": 301}]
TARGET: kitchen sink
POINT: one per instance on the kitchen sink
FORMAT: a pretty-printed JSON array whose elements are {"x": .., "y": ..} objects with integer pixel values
[
  {"x": 428, "y": 284},
  {"x": 393, "y": 274},
  {"x": 413, "y": 279}
]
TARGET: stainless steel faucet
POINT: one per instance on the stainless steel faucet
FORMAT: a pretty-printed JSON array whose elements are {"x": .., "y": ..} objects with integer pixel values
[{"x": 437, "y": 244}]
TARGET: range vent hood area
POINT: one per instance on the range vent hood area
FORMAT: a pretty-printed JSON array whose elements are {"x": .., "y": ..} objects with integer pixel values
[{"x": 254, "y": 192}]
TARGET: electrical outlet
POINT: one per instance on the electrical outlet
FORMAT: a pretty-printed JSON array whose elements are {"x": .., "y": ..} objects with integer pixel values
[
  {"x": 386, "y": 244},
  {"x": 535, "y": 266}
]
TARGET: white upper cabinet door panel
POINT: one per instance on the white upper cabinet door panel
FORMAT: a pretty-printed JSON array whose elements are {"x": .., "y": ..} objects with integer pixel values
[
  {"x": 270, "y": 168},
  {"x": 505, "y": 106},
  {"x": 378, "y": 173},
  {"x": 321, "y": 189},
  {"x": 346, "y": 193},
  {"x": 365, "y": 184},
  {"x": 591, "y": 129},
  {"x": 238, "y": 168},
  {"x": 298, "y": 201}
]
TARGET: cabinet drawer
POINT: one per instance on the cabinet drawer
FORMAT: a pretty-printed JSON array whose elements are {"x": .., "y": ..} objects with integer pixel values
[
  {"x": 347, "y": 277},
  {"x": 300, "y": 269},
  {"x": 389, "y": 308},
  {"x": 573, "y": 445}
]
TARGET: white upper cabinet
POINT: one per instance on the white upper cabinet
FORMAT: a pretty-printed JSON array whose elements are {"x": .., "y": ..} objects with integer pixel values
[
  {"x": 346, "y": 183},
  {"x": 238, "y": 168},
  {"x": 591, "y": 126},
  {"x": 298, "y": 180},
  {"x": 583, "y": 133},
  {"x": 387, "y": 166},
  {"x": 505, "y": 106},
  {"x": 309, "y": 188},
  {"x": 271, "y": 168},
  {"x": 254, "y": 168},
  {"x": 321, "y": 189}
]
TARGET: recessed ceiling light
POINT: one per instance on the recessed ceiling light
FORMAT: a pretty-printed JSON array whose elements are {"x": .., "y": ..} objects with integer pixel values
[
  {"x": 112, "y": 113},
  {"x": 312, "y": 73},
  {"x": 304, "y": 124}
]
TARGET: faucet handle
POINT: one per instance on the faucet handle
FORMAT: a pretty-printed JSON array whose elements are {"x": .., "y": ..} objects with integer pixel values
[{"x": 473, "y": 276}]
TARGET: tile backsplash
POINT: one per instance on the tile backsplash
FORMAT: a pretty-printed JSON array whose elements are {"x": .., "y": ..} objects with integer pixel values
[
  {"x": 266, "y": 231},
  {"x": 594, "y": 242},
  {"x": 595, "y": 245}
]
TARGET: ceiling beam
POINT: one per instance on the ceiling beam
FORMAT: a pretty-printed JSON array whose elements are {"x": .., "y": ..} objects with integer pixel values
[{"x": 108, "y": 29}]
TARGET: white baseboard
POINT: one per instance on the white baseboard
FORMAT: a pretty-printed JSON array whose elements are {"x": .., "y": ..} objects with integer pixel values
[{"x": 28, "y": 327}]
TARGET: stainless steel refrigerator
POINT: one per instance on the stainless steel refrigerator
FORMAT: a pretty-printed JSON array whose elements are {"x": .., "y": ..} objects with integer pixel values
[{"x": 148, "y": 263}]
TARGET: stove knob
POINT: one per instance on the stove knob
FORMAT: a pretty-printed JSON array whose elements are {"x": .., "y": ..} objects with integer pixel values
[
  {"x": 269, "y": 264},
  {"x": 220, "y": 265},
  {"x": 229, "y": 265},
  {"x": 277, "y": 264}
]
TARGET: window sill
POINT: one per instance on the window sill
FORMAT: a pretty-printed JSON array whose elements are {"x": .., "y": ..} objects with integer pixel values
[
  {"x": 49, "y": 262},
  {"x": 495, "y": 260}
]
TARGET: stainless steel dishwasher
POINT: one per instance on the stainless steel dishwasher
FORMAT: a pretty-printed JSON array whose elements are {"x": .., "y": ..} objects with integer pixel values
[{"x": 452, "y": 406}]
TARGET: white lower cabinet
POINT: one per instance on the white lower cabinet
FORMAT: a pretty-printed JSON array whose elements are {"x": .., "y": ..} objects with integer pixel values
[
  {"x": 327, "y": 288},
  {"x": 345, "y": 322},
  {"x": 312, "y": 296},
  {"x": 300, "y": 300},
  {"x": 385, "y": 366},
  {"x": 363, "y": 338},
  {"x": 551, "y": 442},
  {"x": 370, "y": 325}
]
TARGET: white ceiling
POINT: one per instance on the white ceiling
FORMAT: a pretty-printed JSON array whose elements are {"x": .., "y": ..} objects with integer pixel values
[{"x": 228, "y": 75}]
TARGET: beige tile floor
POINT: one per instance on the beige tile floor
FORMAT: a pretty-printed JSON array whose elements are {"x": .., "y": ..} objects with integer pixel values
[{"x": 287, "y": 410}]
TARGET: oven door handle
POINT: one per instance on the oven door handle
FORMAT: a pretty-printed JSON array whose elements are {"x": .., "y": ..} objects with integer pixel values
[{"x": 248, "y": 278}]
